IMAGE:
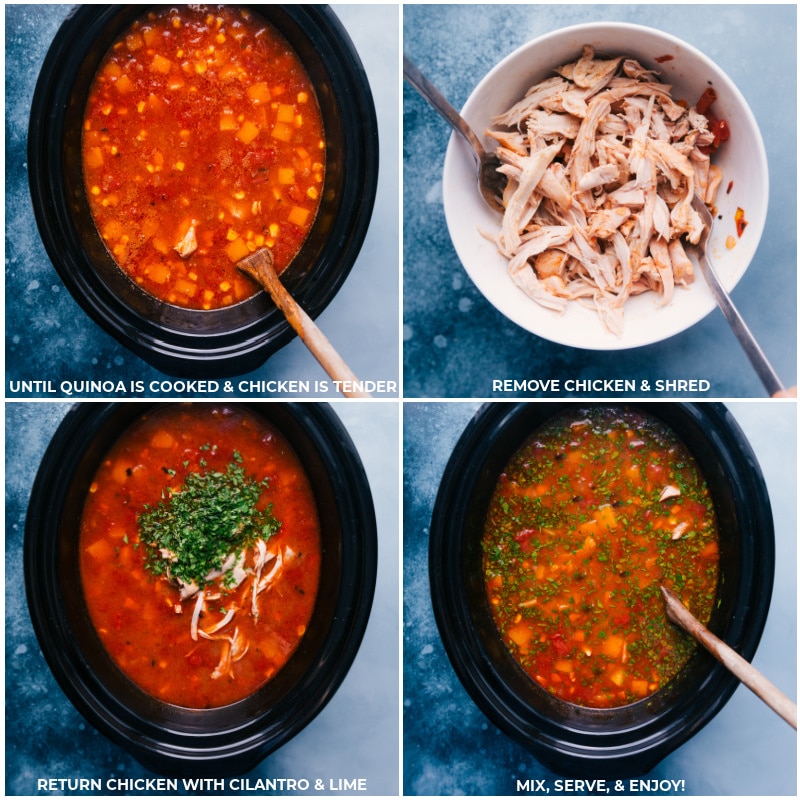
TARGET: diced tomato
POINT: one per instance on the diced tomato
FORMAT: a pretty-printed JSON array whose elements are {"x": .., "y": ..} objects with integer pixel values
[
  {"x": 706, "y": 100},
  {"x": 559, "y": 645}
]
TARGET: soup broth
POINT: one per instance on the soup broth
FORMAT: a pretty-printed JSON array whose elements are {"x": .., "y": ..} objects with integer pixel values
[
  {"x": 200, "y": 553},
  {"x": 202, "y": 142},
  {"x": 590, "y": 517}
]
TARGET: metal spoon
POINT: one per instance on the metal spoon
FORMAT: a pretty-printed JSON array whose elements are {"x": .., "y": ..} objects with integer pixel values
[
  {"x": 763, "y": 368},
  {"x": 490, "y": 182}
]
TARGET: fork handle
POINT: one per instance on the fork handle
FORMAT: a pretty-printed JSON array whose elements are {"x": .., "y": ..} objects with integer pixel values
[
  {"x": 441, "y": 105},
  {"x": 772, "y": 383}
]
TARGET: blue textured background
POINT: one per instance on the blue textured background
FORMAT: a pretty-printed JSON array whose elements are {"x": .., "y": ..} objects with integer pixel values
[
  {"x": 451, "y": 748},
  {"x": 48, "y": 336},
  {"x": 455, "y": 342},
  {"x": 355, "y": 736}
]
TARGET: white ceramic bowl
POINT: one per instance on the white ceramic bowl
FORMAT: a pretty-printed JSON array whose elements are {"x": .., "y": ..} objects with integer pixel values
[{"x": 742, "y": 159}]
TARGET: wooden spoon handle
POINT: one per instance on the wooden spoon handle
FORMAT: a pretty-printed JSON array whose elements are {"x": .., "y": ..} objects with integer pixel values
[
  {"x": 728, "y": 657},
  {"x": 259, "y": 267}
]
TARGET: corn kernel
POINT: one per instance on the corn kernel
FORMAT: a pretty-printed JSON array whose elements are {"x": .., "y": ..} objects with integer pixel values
[
  {"x": 232, "y": 235},
  {"x": 274, "y": 229},
  {"x": 239, "y": 195},
  {"x": 302, "y": 97},
  {"x": 224, "y": 286},
  {"x": 95, "y": 190}
]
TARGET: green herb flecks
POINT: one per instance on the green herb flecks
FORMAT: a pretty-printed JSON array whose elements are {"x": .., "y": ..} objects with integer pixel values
[{"x": 192, "y": 531}]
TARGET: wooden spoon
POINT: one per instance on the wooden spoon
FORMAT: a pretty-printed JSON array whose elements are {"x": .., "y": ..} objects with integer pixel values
[
  {"x": 729, "y": 658},
  {"x": 259, "y": 267}
]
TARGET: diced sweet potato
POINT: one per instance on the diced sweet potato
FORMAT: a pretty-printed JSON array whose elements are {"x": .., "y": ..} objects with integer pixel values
[
  {"x": 160, "y": 64},
  {"x": 237, "y": 250},
  {"x": 285, "y": 113},
  {"x": 134, "y": 41},
  {"x": 162, "y": 439},
  {"x": 124, "y": 84},
  {"x": 259, "y": 93},
  {"x": 247, "y": 132},
  {"x": 613, "y": 646},
  {"x": 520, "y": 634},
  {"x": 298, "y": 216},
  {"x": 282, "y": 132},
  {"x": 101, "y": 550},
  {"x": 158, "y": 272},
  {"x": 93, "y": 157},
  {"x": 227, "y": 121}
]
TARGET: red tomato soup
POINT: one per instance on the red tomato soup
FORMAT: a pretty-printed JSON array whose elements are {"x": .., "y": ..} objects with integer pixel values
[
  {"x": 590, "y": 517},
  {"x": 202, "y": 142},
  {"x": 200, "y": 553}
]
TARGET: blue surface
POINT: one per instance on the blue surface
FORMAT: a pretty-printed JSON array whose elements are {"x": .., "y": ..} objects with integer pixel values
[
  {"x": 451, "y": 748},
  {"x": 355, "y": 736},
  {"x": 48, "y": 336},
  {"x": 455, "y": 342}
]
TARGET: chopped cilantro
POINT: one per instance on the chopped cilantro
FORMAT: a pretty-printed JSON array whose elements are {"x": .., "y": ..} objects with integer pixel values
[{"x": 199, "y": 525}]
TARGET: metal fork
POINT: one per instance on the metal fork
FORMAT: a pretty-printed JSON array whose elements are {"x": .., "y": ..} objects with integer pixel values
[{"x": 772, "y": 383}]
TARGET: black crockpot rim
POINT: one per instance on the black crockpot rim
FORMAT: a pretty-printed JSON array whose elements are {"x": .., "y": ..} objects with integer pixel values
[
  {"x": 642, "y": 748},
  {"x": 189, "y": 352},
  {"x": 157, "y": 747}
]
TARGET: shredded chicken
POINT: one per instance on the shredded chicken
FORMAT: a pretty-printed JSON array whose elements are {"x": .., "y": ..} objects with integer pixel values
[
  {"x": 235, "y": 570},
  {"x": 188, "y": 243},
  {"x": 602, "y": 165},
  {"x": 669, "y": 491}
]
